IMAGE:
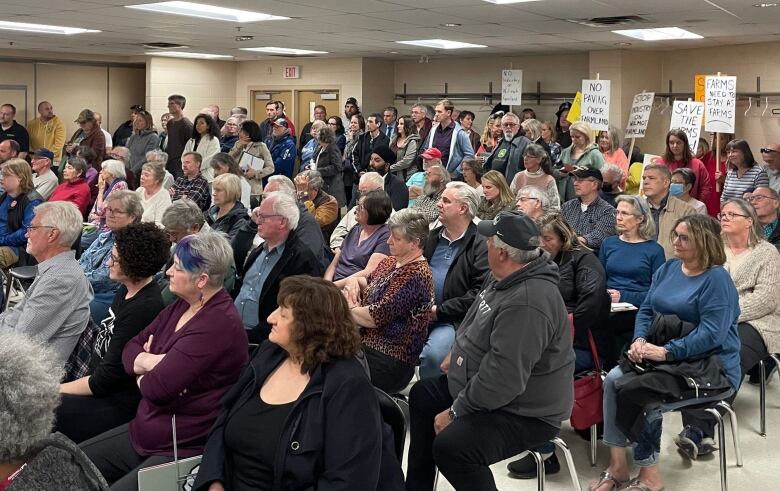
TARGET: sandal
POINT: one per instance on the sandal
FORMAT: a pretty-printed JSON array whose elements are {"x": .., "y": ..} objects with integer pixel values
[
  {"x": 606, "y": 477},
  {"x": 639, "y": 485}
]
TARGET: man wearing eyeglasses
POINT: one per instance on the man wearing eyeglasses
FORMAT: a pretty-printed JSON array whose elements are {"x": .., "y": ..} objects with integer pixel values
[
  {"x": 767, "y": 203},
  {"x": 507, "y": 157},
  {"x": 771, "y": 156}
]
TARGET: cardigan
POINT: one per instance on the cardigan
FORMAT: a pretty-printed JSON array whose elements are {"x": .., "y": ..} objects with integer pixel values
[{"x": 756, "y": 278}]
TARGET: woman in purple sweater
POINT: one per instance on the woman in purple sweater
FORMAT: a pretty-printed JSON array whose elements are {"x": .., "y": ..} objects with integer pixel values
[{"x": 184, "y": 362}]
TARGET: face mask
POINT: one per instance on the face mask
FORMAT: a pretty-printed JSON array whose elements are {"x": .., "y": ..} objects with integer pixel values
[{"x": 676, "y": 189}]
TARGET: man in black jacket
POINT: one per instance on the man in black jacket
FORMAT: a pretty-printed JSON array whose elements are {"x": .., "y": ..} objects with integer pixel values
[
  {"x": 507, "y": 157},
  {"x": 281, "y": 255},
  {"x": 369, "y": 142},
  {"x": 381, "y": 159},
  {"x": 457, "y": 256}
]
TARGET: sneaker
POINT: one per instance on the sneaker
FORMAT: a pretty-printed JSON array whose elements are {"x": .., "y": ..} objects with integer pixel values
[
  {"x": 525, "y": 468},
  {"x": 688, "y": 442},
  {"x": 707, "y": 446},
  {"x": 770, "y": 367}
]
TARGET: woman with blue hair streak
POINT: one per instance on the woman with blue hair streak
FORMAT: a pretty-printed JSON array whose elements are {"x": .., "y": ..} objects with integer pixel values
[{"x": 183, "y": 362}]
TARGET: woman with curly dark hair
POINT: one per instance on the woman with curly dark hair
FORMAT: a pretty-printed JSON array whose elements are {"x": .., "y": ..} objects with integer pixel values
[
  {"x": 302, "y": 385},
  {"x": 97, "y": 394}
]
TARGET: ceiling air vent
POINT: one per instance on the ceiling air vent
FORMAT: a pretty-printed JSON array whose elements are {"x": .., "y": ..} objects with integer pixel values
[
  {"x": 163, "y": 46},
  {"x": 619, "y": 20}
]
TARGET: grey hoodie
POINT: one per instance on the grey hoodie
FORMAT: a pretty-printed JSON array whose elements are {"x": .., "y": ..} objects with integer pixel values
[
  {"x": 513, "y": 351},
  {"x": 59, "y": 464}
]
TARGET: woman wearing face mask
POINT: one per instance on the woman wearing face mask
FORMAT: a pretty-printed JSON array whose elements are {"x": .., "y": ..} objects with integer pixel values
[
  {"x": 678, "y": 155},
  {"x": 683, "y": 180}
]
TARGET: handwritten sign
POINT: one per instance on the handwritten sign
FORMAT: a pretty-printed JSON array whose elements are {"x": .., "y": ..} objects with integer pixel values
[
  {"x": 576, "y": 109},
  {"x": 686, "y": 116},
  {"x": 595, "y": 103},
  {"x": 720, "y": 103},
  {"x": 511, "y": 87},
  {"x": 639, "y": 115}
]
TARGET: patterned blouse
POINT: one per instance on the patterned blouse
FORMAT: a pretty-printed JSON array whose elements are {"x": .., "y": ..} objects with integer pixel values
[{"x": 399, "y": 301}]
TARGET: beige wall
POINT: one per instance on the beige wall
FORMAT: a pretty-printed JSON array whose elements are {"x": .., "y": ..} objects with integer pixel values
[{"x": 378, "y": 83}]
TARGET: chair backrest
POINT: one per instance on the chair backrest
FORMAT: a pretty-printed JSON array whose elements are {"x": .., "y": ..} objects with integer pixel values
[{"x": 393, "y": 415}]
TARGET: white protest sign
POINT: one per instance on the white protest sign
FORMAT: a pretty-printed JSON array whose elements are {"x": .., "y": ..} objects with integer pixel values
[
  {"x": 595, "y": 103},
  {"x": 511, "y": 87},
  {"x": 686, "y": 116},
  {"x": 720, "y": 103},
  {"x": 639, "y": 115}
]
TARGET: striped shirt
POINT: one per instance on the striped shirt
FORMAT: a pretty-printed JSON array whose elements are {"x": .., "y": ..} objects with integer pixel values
[{"x": 736, "y": 187}]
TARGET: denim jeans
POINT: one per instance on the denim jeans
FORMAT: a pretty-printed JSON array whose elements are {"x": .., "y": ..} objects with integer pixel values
[
  {"x": 441, "y": 335},
  {"x": 98, "y": 307}
]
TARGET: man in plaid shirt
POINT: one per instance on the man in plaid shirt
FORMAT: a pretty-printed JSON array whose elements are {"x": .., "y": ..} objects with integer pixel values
[
  {"x": 192, "y": 185},
  {"x": 592, "y": 218}
]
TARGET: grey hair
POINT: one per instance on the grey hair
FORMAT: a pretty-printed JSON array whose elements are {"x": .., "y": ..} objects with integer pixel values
[
  {"x": 130, "y": 202},
  {"x": 156, "y": 155},
  {"x": 518, "y": 255},
  {"x": 285, "y": 184},
  {"x": 29, "y": 394},
  {"x": 412, "y": 224},
  {"x": 285, "y": 205},
  {"x": 315, "y": 178},
  {"x": 640, "y": 209},
  {"x": 445, "y": 176},
  {"x": 373, "y": 178},
  {"x": 535, "y": 193},
  {"x": 662, "y": 168},
  {"x": 614, "y": 170},
  {"x": 214, "y": 253},
  {"x": 511, "y": 116},
  {"x": 124, "y": 152},
  {"x": 114, "y": 167},
  {"x": 64, "y": 216},
  {"x": 467, "y": 195},
  {"x": 183, "y": 213},
  {"x": 533, "y": 128},
  {"x": 157, "y": 169}
]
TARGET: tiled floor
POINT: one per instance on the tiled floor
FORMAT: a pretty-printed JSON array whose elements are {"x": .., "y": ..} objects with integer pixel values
[{"x": 761, "y": 471}]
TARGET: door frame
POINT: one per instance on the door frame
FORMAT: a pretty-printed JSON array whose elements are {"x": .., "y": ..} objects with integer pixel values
[{"x": 294, "y": 88}]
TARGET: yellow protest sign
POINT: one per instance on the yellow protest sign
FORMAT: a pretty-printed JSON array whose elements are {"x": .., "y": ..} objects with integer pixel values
[
  {"x": 576, "y": 109},
  {"x": 698, "y": 88}
]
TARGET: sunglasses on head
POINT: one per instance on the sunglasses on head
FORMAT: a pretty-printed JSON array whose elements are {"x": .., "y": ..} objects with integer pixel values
[{"x": 768, "y": 150}]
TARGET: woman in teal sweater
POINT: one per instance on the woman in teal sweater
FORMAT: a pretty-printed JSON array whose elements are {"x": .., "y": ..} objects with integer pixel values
[{"x": 582, "y": 153}]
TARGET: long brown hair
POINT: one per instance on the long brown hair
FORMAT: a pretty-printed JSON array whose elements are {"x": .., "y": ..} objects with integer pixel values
[
  {"x": 687, "y": 154},
  {"x": 323, "y": 327}
]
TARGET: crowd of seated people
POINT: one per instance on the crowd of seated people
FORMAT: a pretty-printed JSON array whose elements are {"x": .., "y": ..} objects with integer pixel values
[{"x": 147, "y": 299}]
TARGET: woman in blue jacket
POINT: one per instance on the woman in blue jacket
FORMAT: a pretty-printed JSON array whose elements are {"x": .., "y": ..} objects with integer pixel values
[
  {"x": 16, "y": 211},
  {"x": 304, "y": 414}
]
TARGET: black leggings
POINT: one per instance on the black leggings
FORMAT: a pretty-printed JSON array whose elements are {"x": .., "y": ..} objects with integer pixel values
[
  {"x": 752, "y": 351},
  {"x": 387, "y": 373},
  {"x": 113, "y": 454},
  {"x": 82, "y": 417}
]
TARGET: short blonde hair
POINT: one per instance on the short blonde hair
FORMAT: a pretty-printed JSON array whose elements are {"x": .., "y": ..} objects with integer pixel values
[
  {"x": 584, "y": 128},
  {"x": 21, "y": 169},
  {"x": 533, "y": 129},
  {"x": 230, "y": 184}
]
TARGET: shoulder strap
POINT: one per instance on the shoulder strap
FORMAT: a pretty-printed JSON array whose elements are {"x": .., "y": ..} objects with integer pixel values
[{"x": 594, "y": 352}]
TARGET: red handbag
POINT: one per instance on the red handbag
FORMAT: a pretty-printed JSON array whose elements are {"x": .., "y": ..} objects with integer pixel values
[{"x": 588, "y": 395}]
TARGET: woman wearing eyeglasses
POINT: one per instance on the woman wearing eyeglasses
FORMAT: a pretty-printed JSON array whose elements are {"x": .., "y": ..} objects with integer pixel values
[{"x": 754, "y": 266}]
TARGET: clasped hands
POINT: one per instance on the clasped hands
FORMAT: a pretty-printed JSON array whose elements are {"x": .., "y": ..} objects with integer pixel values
[
  {"x": 641, "y": 350},
  {"x": 351, "y": 292}
]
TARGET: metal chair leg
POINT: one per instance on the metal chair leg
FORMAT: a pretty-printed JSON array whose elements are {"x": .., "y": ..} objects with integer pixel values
[
  {"x": 762, "y": 396},
  {"x": 724, "y": 486},
  {"x": 539, "y": 469},
  {"x": 575, "y": 481},
  {"x": 594, "y": 437},
  {"x": 734, "y": 430}
]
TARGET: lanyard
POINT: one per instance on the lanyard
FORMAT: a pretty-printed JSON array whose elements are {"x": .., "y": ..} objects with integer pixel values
[{"x": 7, "y": 482}]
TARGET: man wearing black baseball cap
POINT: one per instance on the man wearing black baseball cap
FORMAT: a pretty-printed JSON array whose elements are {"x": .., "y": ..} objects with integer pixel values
[
  {"x": 125, "y": 130},
  {"x": 508, "y": 382},
  {"x": 44, "y": 179},
  {"x": 592, "y": 218}
]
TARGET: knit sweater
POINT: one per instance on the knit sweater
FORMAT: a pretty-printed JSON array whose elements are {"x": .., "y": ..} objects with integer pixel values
[
  {"x": 756, "y": 278},
  {"x": 545, "y": 183}
]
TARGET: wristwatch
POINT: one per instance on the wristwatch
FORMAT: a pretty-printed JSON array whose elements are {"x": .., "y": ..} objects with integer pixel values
[{"x": 452, "y": 414}]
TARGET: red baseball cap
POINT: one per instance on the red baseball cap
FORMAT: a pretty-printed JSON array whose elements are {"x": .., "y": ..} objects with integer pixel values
[{"x": 431, "y": 153}]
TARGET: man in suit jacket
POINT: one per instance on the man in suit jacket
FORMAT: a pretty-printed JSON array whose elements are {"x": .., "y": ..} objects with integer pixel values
[{"x": 281, "y": 254}]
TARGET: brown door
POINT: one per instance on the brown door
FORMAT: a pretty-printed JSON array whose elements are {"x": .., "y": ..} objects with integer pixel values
[
  {"x": 258, "y": 107},
  {"x": 307, "y": 99}
]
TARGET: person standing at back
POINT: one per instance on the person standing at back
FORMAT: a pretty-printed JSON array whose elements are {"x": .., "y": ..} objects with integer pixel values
[{"x": 179, "y": 133}]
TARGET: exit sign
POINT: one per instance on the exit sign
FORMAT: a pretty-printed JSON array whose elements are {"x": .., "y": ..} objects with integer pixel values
[{"x": 293, "y": 71}]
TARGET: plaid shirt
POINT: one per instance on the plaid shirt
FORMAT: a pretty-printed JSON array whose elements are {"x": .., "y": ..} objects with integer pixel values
[
  {"x": 426, "y": 205},
  {"x": 196, "y": 189},
  {"x": 594, "y": 224}
]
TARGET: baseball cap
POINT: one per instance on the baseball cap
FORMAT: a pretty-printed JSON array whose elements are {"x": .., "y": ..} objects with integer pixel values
[
  {"x": 281, "y": 122},
  {"x": 431, "y": 153},
  {"x": 85, "y": 115},
  {"x": 44, "y": 152},
  {"x": 137, "y": 108},
  {"x": 513, "y": 228},
  {"x": 586, "y": 172},
  {"x": 351, "y": 100}
]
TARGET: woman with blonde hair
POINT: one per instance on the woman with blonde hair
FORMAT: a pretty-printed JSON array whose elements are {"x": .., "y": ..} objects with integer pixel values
[
  {"x": 497, "y": 196},
  {"x": 16, "y": 210},
  {"x": 581, "y": 153},
  {"x": 549, "y": 136},
  {"x": 227, "y": 214},
  {"x": 490, "y": 135}
]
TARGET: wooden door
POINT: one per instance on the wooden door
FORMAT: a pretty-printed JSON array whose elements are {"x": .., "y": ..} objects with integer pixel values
[
  {"x": 307, "y": 99},
  {"x": 258, "y": 106}
]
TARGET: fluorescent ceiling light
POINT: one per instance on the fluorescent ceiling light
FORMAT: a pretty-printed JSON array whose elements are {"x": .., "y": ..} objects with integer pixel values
[
  {"x": 285, "y": 51},
  {"x": 441, "y": 44},
  {"x": 504, "y": 2},
  {"x": 658, "y": 34},
  {"x": 42, "y": 29},
  {"x": 187, "y": 54},
  {"x": 206, "y": 11}
]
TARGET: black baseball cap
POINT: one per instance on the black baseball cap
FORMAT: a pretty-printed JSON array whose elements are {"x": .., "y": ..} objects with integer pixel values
[
  {"x": 514, "y": 228},
  {"x": 44, "y": 152},
  {"x": 352, "y": 101},
  {"x": 586, "y": 172}
]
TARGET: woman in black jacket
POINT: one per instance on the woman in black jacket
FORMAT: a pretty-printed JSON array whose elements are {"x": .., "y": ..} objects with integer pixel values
[
  {"x": 304, "y": 414},
  {"x": 228, "y": 214},
  {"x": 330, "y": 165}
]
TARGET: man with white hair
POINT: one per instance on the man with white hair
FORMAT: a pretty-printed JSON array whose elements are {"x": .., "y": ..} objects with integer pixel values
[
  {"x": 368, "y": 182},
  {"x": 457, "y": 256},
  {"x": 55, "y": 309},
  {"x": 507, "y": 157},
  {"x": 436, "y": 178},
  {"x": 506, "y": 389},
  {"x": 281, "y": 254}
]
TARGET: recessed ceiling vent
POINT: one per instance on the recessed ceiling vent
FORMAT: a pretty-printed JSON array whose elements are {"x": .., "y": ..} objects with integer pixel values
[
  {"x": 163, "y": 46},
  {"x": 618, "y": 20}
]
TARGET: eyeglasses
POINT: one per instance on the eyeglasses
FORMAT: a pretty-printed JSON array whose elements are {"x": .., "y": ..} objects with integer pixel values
[
  {"x": 114, "y": 211},
  {"x": 682, "y": 238},
  {"x": 35, "y": 227},
  {"x": 768, "y": 150},
  {"x": 758, "y": 198},
  {"x": 261, "y": 217},
  {"x": 114, "y": 258},
  {"x": 730, "y": 215},
  {"x": 523, "y": 199},
  {"x": 509, "y": 125}
]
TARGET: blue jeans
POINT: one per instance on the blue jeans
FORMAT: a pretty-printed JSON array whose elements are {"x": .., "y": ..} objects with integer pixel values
[
  {"x": 441, "y": 335},
  {"x": 98, "y": 307}
]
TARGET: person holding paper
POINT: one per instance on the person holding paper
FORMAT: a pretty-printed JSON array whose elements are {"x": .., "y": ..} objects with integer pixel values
[
  {"x": 253, "y": 156},
  {"x": 581, "y": 153},
  {"x": 744, "y": 174},
  {"x": 609, "y": 145},
  {"x": 678, "y": 155}
]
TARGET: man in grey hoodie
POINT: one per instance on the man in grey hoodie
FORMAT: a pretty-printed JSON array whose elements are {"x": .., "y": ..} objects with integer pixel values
[{"x": 508, "y": 383}]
